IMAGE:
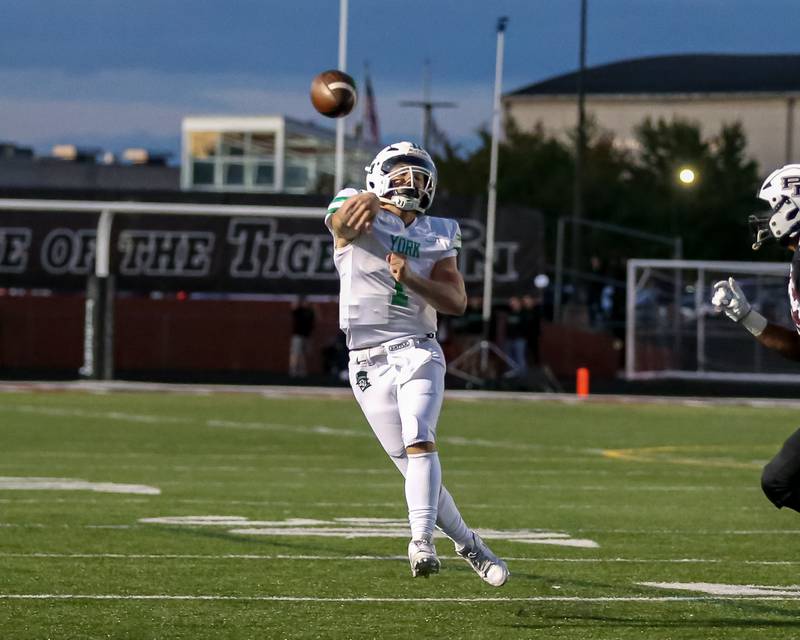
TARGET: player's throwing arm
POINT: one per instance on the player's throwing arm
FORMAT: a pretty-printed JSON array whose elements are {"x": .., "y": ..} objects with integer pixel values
[{"x": 355, "y": 217}]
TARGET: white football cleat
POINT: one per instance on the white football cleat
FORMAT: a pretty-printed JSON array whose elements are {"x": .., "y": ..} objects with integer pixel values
[
  {"x": 487, "y": 565},
  {"x": 422, "y": 556}
]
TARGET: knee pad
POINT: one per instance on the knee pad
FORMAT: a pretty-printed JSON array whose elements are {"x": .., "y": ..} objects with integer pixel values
[
  {"x": 773, "y": 486},
  {"x": 780, "y": 479}
]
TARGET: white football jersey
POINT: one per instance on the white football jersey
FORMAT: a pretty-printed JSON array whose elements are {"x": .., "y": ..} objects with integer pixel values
[{"x": 373, "y": 307}]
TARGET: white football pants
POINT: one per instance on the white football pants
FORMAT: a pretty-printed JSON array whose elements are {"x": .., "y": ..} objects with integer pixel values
[{"x": 401, "y": 395}]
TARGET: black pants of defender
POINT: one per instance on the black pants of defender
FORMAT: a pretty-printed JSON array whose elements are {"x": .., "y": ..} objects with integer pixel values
[{"x": 781, "y": 477}]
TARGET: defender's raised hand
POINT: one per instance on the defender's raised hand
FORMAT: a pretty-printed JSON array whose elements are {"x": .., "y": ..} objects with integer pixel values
[{"x": 729, "y": 298}]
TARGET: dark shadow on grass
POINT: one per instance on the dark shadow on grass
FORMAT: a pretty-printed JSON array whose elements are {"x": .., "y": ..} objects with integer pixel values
[{"x": 596, "y": 621}]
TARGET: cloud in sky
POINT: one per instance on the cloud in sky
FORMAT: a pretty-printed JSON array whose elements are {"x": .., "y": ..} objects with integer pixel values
[
  {"x": 112, "y": 70},
  {"x": 122, "y": 104}
]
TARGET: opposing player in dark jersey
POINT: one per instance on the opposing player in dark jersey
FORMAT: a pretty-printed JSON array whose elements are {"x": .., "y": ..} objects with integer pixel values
[{"x": 781, "y": 190}]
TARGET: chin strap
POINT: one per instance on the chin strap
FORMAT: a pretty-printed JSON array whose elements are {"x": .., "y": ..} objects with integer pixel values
[{"x": 415, "y": 208}]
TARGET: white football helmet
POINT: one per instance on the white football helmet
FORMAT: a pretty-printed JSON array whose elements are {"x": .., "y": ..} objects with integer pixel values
[
  {"x": 403, "y": 175},
  {"x": 781, "y": 190}
]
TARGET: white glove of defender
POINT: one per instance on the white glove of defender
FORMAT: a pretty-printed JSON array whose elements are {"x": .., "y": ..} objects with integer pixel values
[{"x": 729, "y": 297}]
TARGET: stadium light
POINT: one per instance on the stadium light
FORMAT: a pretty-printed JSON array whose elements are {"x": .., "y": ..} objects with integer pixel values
[{"x": 687, "y": 176}]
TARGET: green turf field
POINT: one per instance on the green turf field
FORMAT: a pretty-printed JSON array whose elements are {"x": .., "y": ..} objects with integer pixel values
[{"x": 587, "y": 502}]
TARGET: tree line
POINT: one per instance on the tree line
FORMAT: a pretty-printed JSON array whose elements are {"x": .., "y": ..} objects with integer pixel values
[{"x": 634, "y": 185}]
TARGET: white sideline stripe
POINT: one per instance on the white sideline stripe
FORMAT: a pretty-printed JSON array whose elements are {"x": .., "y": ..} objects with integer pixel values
[
  {"x": 301, "y": 557},
  {"x": 344, "y": 393},
  {"x": 654, "y": 599},
  {"x": 670, "y": 532}
]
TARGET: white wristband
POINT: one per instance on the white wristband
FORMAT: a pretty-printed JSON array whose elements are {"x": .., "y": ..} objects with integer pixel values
[{"x": 754, "y": 322}]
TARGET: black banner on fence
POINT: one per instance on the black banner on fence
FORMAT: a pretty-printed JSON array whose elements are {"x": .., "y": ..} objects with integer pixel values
[{"x": 56, "y": 250}]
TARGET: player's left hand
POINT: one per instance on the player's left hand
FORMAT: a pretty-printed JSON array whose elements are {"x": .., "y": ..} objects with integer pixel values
[{"x": 398, "y": 266}]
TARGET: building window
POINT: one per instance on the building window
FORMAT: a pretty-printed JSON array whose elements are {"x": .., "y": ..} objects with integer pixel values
[
  {"x": 203, "y": 172},
  {"x": 265, "y": 174},
  {"x": 233, "y": 144},
  {"x": 234, "y": 173},
  {"x": 203, "y": 144},
  {"x": 239, "y": 160},
  {"x": 296, "y": 176}
]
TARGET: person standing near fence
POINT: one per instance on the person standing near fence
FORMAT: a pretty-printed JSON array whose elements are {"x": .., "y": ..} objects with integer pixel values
[
  {"x": 303, "y": 319},
  {"x": 516, "y": 343}
]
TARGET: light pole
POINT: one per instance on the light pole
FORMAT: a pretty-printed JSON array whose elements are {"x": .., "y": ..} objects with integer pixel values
[
  {"x": 338, "y": 178},
  {"x": 580, "y": 151},
  {"x": 488, "y": 266},
  {"x": 482, "y": 373}
]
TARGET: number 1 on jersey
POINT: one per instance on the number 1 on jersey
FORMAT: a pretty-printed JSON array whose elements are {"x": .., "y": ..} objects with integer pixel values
[{"x": 400, "y": 297}]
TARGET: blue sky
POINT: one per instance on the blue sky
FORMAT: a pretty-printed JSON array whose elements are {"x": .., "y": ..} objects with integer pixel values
[{"x": 117, "y": 73}]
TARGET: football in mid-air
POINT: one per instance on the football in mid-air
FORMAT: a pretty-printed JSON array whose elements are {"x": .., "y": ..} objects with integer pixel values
[{"x": 333, "y": 93}]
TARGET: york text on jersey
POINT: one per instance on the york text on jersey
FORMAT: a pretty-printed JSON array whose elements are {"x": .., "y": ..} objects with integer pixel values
[{"x": 405, "y": 246}]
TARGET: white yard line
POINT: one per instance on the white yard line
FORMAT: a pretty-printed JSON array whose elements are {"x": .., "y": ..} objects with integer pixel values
[
  {"x": 371, "y": 558},
  {"x": 223, "y": 598},
  {"x": 72, "y": 484},
  {"x": 648, "y": 532},
  {"x": 717, "y": 589},
  {"x": 344, "y": 393},
  {"x": 690, "y": 532}
]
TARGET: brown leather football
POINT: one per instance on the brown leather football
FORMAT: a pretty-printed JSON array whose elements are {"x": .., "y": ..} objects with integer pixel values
[{"x": 333, "y": 93}]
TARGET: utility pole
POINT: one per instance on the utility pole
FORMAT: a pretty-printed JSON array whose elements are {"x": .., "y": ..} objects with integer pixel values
[
  {"x": 427, "y": 105},
  {"x": 580, "y": 154}
]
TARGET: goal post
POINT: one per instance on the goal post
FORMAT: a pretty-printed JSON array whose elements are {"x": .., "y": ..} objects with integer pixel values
[{"x": 672, "y": 330}]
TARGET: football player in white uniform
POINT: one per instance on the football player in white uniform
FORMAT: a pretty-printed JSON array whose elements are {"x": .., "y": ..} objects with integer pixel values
[
  {"x": 780, "y": 479},
  {"x": 397, "y": 268}
]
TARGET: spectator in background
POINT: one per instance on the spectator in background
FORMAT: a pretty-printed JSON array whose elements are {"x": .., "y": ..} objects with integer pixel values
[
  {"x": 532, "y": 324},
  {"x": 473, "y": 316},
  {"x": 471, "y": 323},
  {"x": 595, "y": 292},
  {"x": 302, "y": 327},
  {"x": 336, "y": 358},
  {"x": 517, "y": 336}
]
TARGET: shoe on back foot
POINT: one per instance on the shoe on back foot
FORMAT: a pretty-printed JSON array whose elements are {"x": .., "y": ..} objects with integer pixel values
[
  {"x": 422, "y": 556},
  {"x": 485, "y": 563}
]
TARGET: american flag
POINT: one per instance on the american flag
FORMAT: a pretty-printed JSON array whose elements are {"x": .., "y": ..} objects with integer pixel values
[{"x": 370, "y": 115}]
